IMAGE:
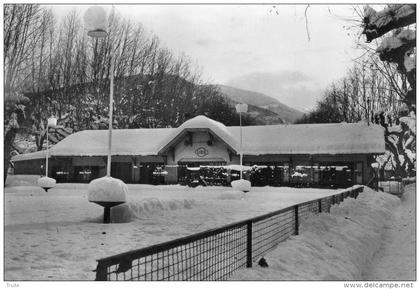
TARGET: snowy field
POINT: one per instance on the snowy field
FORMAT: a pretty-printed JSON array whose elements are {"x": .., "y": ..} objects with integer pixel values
[
  {"x": 370, "y": 238},
  {"x": 59, "y": 235}
]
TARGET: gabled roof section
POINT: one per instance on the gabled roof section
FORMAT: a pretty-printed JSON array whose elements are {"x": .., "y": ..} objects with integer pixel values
[{"x": 200, "y": 123}]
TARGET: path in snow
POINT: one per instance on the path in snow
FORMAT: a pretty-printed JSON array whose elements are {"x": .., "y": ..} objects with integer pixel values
[{"x": 395, "y": 260}]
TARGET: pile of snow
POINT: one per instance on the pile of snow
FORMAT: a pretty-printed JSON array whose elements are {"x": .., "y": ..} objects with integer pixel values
[
  {"x": 396, "y": 259},
  {"x": 46, "y": 182},
  {"x": 299, "y": 175},
  {"x": 335, "y": 246},
  {"x": 237, "y": 168},
  {"x": 147, "y": 208},
  {"x": 241, "y": 185},
  {"x": 21, "y": 180},
  {"x": 107, "y": 189}
]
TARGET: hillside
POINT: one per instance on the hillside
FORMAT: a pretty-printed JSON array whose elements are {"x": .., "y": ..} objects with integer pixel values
[
  {"x": 261, "y": 116},
  {"x": 262, "y": 101}
]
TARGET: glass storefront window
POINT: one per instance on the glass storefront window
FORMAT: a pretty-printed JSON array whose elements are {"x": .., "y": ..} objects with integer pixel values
[
  {"x": 336, "y": 175},
  {"x": 203, "y": 173},
  {"x": 266, "y": 174}
]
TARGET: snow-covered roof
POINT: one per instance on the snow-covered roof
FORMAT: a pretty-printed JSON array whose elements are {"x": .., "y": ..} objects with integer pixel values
[
  {"x": 30, "y": 156},
  {"x": 341, "y": 138},
  {"x": 124, "y": 142},
  {"x": 330, "y": 138}
]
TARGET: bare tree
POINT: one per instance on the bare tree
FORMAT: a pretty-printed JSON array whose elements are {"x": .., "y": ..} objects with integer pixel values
[
  {"x": 21, "y": 34},
  {"x": 69, "y": 78},
  {"x": 398, "y": 46}
]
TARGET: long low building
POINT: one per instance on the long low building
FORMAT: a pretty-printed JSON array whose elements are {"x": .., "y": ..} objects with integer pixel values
[{"x": 312, "y": 154}]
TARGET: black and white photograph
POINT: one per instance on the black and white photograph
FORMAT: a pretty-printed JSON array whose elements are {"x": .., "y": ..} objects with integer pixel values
[{"x": 210, "y": 142}]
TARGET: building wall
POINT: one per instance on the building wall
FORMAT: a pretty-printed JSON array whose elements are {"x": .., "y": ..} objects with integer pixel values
[
  {"x": 134, "y": 166},
  {"x": 29, "y": 167},
  {"x": 172, "y": 176}
]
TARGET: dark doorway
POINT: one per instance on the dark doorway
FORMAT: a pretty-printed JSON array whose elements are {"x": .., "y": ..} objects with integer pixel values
[
  {"x": 152, "y": 173},
  {"x": 121, "y": 171}
]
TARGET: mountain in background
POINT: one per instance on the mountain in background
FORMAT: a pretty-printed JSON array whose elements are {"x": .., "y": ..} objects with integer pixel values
[{"x": 262, "y": 107}]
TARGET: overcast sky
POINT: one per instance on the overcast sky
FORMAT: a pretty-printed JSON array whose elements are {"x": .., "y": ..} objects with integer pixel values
[{"x": 256, "y": 47}]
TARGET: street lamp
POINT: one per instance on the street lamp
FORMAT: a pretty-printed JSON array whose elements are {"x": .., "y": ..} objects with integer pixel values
[
  {"x": 241, "y": 184},
  {"x": 96, "y": 23},
  {"x": 52, "y": 122},
  {"x": 240, "y": 108},
  {"x": 45, "y": 182},
  {"x": 106, "y": 191}
]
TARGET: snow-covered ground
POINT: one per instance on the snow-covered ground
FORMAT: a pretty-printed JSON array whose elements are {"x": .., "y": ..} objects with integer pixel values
[
  {"x": 370, "y": 238},
  {"x": 396, "y": 258},
  {"x": 58, "y": 235}
]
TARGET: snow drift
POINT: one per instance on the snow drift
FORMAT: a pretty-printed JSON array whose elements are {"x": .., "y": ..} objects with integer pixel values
[
  {"x": 147, "y": 208},
  {"x": 107, "y": 189},
  {"x": 335, "y": 246}
]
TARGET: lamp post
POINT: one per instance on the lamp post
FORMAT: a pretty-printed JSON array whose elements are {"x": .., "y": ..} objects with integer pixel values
[
  {"x": 106, "y": 191},
  {"x": 240, "y": 108},
  {"x": 96, "y": 22},
  {"x": 52, "y": 122},
  {"x": 45, "y": 182},
  {"x": 241, "y": 184}
]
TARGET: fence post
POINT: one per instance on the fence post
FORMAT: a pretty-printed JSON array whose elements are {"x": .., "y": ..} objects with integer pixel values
[
  {"x": 320, "y": 206},
  {"x": 297, "y": 220},
  {"x": 101, "y": 272},
  {"x": 249, "y": 244}
]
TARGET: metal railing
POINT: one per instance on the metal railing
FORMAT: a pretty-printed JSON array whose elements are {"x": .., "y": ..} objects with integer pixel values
[{"x": 215, "y": 254}]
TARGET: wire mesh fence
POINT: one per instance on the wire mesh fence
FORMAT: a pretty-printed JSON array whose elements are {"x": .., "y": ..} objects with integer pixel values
[{"x": 215, "y": 254}]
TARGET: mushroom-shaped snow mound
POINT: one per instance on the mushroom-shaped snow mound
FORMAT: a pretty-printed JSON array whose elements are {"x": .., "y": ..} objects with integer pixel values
[
  {"x": 107, "y": 189},
  {"x": 46, "y": 182},
  {"x": 241, "y": 185}
]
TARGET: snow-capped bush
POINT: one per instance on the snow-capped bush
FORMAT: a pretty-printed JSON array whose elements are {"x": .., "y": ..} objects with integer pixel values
[
  {"x": 241, "y": 185},
  {"x": 46, "y": 182},
  {"x": 107, "y": 189}
]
